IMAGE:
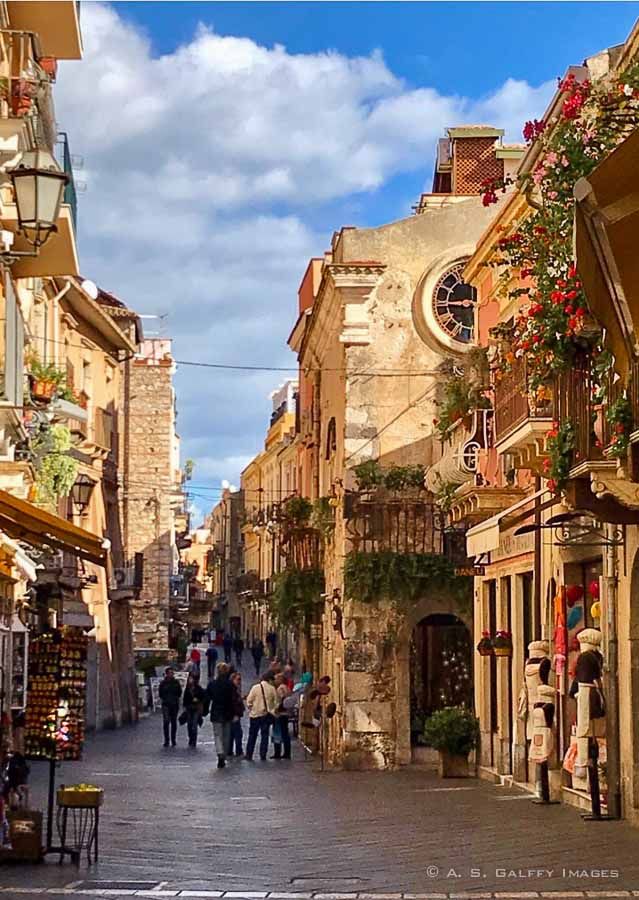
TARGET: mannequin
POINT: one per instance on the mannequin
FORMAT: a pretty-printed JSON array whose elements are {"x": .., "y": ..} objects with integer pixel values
[
  {"x": 543, "y": 743},
  {"x": 586, "y": 687},
  {"x": 536, "y": 673}
]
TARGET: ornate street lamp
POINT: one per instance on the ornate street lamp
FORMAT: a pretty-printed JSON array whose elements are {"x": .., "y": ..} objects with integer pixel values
[
  {"x": 81, "y": 492},
  {"x": 38, "y": 185}
]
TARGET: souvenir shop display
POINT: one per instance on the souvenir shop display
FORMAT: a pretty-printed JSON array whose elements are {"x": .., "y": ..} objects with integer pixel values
[
  {"x": 55, "y": 719},
  {"x": 536, "y": 674}
]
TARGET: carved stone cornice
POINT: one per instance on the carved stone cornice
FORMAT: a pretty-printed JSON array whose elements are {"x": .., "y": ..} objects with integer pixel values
[
  {"x": 355, "y": 282},
  {"x": 475, "y": 503}
]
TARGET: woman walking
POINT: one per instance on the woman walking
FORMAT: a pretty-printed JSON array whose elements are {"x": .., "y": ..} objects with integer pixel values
[
  {"x": 237, "y": 732},
  {"x": 193, "y": 701}
]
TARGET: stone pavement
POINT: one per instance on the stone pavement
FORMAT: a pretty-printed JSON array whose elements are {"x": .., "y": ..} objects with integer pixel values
[{"x": 175, "y": 826}]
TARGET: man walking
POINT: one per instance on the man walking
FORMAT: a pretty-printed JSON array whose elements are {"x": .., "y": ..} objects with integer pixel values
[
  {"x": 211, "y": 660},
  {"x": 228, "y": 647},
  {"x": 262, "y": 703},
  {"x": 221, "y": 700},
  {"x": 170, "y": 695},
  {"x": 257, "y": 651}
]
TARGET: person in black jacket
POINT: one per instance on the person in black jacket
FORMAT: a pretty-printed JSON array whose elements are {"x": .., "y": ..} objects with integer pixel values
[
  {"x": 170, "y": 693},
  {"x": 220, "y": 696},
  {"x": 236, "y": 725},
  {"x": 193, "y": 701}
]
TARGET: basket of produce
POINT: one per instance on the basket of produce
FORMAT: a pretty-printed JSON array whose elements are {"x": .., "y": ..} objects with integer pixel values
[{"x": 80, "y": 796}]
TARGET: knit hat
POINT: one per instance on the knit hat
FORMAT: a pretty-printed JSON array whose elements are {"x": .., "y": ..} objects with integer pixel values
[
  {"x": 538, "y": 648},
  {"x": 590, "y": 636}
]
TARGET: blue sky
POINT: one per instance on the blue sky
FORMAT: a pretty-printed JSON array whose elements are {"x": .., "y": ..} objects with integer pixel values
[{"x": 243, "y": 134}]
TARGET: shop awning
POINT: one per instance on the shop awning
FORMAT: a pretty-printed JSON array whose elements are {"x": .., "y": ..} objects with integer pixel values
[
  {"x": 606, "y": 228},
  {"x": 485, "y": 536},
  {"x": 26, "y": 522}
]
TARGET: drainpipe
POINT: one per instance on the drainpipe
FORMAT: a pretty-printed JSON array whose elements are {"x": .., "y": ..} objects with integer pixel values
[
  {"x": 317, "y": 431},
  {"x": 611, "y": 581}
]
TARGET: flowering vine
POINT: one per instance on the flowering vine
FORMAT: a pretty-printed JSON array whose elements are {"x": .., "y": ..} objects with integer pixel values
[{"x": 536, "y": 252}]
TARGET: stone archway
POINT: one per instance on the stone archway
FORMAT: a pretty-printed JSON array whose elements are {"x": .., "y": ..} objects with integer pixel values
[{"x": 436, "y": 604}]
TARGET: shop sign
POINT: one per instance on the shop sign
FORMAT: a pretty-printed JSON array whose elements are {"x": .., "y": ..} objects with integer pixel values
[
  {"x": 470, "y": 571},
  {"x": 513, "y": 545}
]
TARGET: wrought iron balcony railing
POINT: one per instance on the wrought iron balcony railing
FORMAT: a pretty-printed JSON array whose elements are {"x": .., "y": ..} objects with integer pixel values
[
  {"x": 514, "y": 405},
  {"x": 401, "y": 525}
]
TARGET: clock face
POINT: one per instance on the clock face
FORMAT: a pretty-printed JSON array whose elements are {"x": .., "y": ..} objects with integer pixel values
[{"x": 453, "y": 305}]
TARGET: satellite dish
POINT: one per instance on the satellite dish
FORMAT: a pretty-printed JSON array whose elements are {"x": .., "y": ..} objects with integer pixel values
[{"x": 90, "y": 288}]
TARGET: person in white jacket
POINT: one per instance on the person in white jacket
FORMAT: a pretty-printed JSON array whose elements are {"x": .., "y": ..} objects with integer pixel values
[{"x": 262, "y": 702}]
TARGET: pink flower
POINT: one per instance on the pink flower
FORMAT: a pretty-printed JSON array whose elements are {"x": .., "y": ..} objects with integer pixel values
[
  {"x": 552, "y": 195},
  {"x": 551, "y": 158}
]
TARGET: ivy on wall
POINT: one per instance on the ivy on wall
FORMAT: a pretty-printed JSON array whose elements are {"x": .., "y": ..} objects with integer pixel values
[
  {"x": 295, "y": 592},
  {"x": 402, "y": 577}
]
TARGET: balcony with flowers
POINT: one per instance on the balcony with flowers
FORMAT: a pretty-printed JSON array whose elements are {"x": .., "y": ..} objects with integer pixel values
[{"x": 568, "y": 351}]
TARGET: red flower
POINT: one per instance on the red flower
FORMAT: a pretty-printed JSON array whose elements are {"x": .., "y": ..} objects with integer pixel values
[
  {"x": 568, "y": 310},
  {"x": 533, "y": 129},
  {"x": 580, "y": 312},
  {"x": 552, "y": 485},
  {"x": 571, "y": 295},
  {"x": 620, "y": 428},
  {"x": 572, "y": 271}
]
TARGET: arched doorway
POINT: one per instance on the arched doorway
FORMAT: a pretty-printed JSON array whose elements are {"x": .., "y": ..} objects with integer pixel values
[{"x": 440, "y": 668}]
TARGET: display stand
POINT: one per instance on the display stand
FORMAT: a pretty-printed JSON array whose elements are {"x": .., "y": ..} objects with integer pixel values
[
  {"x": 55, "y": 706},
  {"x": 82, "y": 807}
]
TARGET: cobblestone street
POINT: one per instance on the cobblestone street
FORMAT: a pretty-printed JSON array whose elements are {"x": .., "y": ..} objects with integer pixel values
[{"x": 174, "y": 825}]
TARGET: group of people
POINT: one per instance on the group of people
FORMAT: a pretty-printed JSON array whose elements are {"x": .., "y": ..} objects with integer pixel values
[{"x": 270, "y": 704}]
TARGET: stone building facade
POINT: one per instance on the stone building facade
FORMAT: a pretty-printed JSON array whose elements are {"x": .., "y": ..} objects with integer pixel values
[
  {"x": 384, "y": 318},
  {"x": 151, "y": 486}
]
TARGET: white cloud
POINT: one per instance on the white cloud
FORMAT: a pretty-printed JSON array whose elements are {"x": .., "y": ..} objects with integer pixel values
[{"x": 207, "y": 169}]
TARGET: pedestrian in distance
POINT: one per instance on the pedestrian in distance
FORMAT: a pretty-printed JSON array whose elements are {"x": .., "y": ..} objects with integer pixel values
[
  {"x": 219, "y": 695},
  {"x": 281, "y": 734},
  {"x": 193, "y": 701},
  {"x": 211, "y": 660},
  {"x": 257, "y": 652},
  {"x": 262, "y": 703},
  {"x": 170, "y": 695},
  {"x": 271, "y": 640},
  {"x": 237, "y": 733},
  {"x": 238, "y": 648},
  {"x": 193, "y": 665},
  {"x": 228, "y": 647}
]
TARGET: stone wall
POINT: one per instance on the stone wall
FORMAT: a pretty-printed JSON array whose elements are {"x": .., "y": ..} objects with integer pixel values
[{"x": 147, "y": 496}]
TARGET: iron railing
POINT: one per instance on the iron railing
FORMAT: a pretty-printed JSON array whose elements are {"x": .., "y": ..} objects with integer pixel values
[
  {"x": 400, "y": 525},
  {"x": 514, "y": 405}
]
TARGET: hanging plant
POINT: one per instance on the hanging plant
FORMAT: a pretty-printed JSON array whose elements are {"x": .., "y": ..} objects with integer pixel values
[
  {"x": 368, "y": 475},
  {"x": 295, "y": 592},
  {"x": 485, "y": 645},
  {"x": 445, "y": 494},
  {"x": 503, "y": 644},
  {"x": 297, "y": 510},
  {"x": 560, "y": 442},
  {"x": 56, "y": 471}
]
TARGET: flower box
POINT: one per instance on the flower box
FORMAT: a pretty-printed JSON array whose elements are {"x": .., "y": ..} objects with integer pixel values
[
  {"x": 80, "y": 796},
  {"x": 503, "y": 644},
  {"x": 485, "y": 646}
]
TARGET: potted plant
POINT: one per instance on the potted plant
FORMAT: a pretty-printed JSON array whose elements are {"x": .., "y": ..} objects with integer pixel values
[
  {"x": 22, "y": 94},
  {"x": 485, "y": 646},
  {"x": 45, "y": 379},
  {"x": 503, "y": 644},
  {"x": 453, "y": 732}
]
